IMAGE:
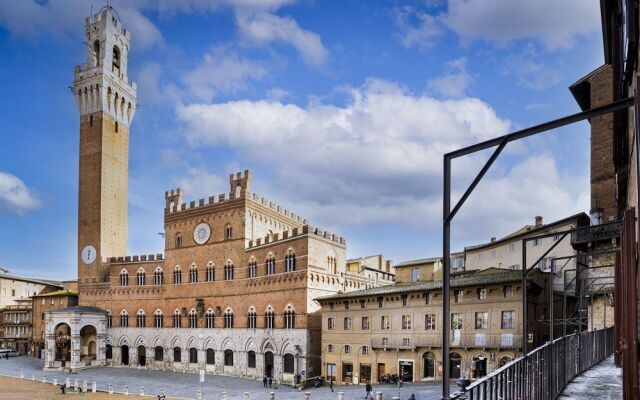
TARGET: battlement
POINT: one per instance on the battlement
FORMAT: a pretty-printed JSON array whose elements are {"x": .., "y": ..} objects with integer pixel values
[
  {"x": 297, "y": 232},
  {"x": 241, "y": 175},
  {"x": 136, "y": 259},
  {"x": 109, "y": 14}
]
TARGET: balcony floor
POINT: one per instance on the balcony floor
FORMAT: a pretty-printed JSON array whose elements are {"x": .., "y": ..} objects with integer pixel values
[{"x": 601, "y": 382}]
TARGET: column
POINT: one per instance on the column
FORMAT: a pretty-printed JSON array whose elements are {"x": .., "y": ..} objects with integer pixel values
[
  {"x": 75, "y": 351},
  {"x": 101, "y": 349}
]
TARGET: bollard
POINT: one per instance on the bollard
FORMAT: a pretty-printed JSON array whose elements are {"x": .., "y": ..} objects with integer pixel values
[
  {"x": 199, "y": 395},
  {"x": 307, "y": 396},
  {"x": 223, "y": 396},
  {"x": 76, "y": 385},
  {"x": 84, "y": 386},
  {"x": 33, "y": 377},
  {"x": 111, "y": 388},
  {"x": 395, "y": 398},
  {"x": 93, "y": 387},
  {"x": 378, "y": 395},
  {"x": 44, "y": 379},
  {"x": 21, "y": 374},
  {"x": 247, "y": 396},
  {"x": 141, "y": 390},
  {"x": 162, "y": 391},
  {"x": 272, "y": 396},
  {"x": 55, "y": 381},
  {"x": 126, "y": 390},
  {"x": 68, "y": 383}
]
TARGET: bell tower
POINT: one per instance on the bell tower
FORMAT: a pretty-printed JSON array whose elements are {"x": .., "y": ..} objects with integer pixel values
[{"x": 106, "y": 101}]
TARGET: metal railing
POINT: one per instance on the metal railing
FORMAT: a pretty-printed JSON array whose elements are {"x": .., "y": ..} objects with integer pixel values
[
  {"x": 596, "y": 233},
  {"x": 463, "y": 340},
  {"x": 534, "y": 377}
]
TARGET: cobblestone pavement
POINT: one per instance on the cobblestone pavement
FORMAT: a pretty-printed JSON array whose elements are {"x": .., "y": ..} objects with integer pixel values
[
  {"x": 186, "y": 385},
  {"x": 601, "y": 382}
]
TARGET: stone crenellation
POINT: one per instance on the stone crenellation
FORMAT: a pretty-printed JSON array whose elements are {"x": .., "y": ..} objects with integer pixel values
[
  {"x": 296, "y": 232},
  {"x": 137, "y": 258}
]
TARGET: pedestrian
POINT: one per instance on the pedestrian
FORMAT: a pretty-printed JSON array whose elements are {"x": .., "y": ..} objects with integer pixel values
[
  {"x": 368, "y": 389},
  {"x": 264, "y": 381},
  {"x": 413, "y": 397},
  {"x": 63, "y": 387},
  {"x": 270, "y": 382},
  {"x": 331, "y": 384}
]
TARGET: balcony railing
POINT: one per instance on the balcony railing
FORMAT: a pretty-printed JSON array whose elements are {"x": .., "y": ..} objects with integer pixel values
[
  {"x": 534, "y": 376},
  {"x": 596, "y": 233},
  {"x": 463, "y": 340}
]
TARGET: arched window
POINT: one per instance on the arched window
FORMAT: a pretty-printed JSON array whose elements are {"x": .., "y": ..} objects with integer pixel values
[
  {"x": 210, "y": 319},
  {"x": 253, "y": 269},
  {"x": 270, "y": 265},
  {"x": 211, "y": 273},
  {"x": 228, "y": 358},
  {"x": 228, "y": 271},
  {"x": 228, "y": 318},
  {"x": 289, "y": 318},
  {"x": 251, "y": 318},
  {"x": 124, "y": 319},
  {"x": 177, "y": 354},
  {"x": 178, "y": 240},
  {"x": 96, "y": 52},
  {"x": 504, "y": 360},
  {"x": 288, "y": 363},
  {"x": 177, "y": 319},
  {"x": 269, "y": 319},
  {"x": 455, "y": 364},
  {"x": 228, "y": 232},
  {"x": 193, "y": 274},
  {"x": 109, "y": 319},
  {"x": 109, "y": 351},
  {"x": 159, "y": 353},
  {"x": 158, "y": 276},
  {"x": 158, "y": 319},
  {"x": 141, "y": 277},
  {"x": 124, "y": 278},
  {"x": 140, "y": 317},
  {"x": 193, "y": 355},
  {"x": 429, "y": 365},
  {"x": 290, "y": 261},
  {"x": 251, "y": 359},
  {"x": 211, "y": 357},
  {"x": 332, "y": 264},
  {"x": 177, "y": 275},
  {"x": 193, "y": 319},
  {"x": 115, "y": 67}
]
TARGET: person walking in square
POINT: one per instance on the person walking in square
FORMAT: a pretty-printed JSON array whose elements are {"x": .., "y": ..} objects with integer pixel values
[
  {"x": 331, "y": 384},
  {"x": 264, "y": 381},
  {"x": 270, "y": 382},
  {"x": 368, "y": 389}
]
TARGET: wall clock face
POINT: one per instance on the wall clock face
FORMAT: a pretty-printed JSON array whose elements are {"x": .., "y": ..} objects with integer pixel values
[
  {"x": 88, "y": 254},
  {"x": 202, "y": 233}
]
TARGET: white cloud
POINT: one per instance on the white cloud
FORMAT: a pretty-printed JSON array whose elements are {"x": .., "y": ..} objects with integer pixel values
[
  {"x": 554, "y": 23},
  {"x": 222, "y": 71},
  {"x": 199, "y": 182},
  {"x": 261, "y": 28},
  {"x": 417, "y": 29},
  {"x": 15, "y": 196},
  {"x": 454, "y": 81},
  {"x": 529, "y": 72}
]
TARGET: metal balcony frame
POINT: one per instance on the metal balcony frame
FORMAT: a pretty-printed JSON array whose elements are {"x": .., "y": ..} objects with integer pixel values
[{"x": 449, "y": 213}]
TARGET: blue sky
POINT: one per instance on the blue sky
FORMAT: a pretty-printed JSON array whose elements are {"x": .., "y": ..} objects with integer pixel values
[{"x": 342, "y": 109}]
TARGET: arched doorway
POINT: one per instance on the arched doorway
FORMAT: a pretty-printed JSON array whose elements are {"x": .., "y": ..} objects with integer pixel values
[
  {"x": 142, "y": 356},
  {"x": 124, "y": 351},
  {"x": 504, "y": 360},
  {"x": 428, "y": 365},
  {"x": 63, "y": 344},
  {"x": 479, "y": 366},
  {"x": 87, "y": 344},
  {"x": 455, "y": 365},
  {"x": 109, "y": 351},
  {"x": 268, "y": 364}
]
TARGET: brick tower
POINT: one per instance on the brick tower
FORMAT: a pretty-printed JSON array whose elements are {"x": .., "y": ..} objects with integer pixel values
[{"x": 107, "y": 102}]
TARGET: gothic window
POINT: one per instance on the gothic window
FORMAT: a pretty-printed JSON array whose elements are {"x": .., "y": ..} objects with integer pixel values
[
  {"x": 193, "y": 319},
  {"x": 178, "y": 240},
  {"x": 289, "y": 318},
  {"x": 124, "y": 319},
  {"x": 193, "y": 274},
  {"x": 270, "y": 265},
  {"x": 332, "y": 264},
  {"x": 211, "y": 273},
  {"x": 251, "y": 359},
  {"x": 253, "y": 267},
  {"x": 158, "y": 319},
  {"x": 141, "y": 277},
  {"x": 251, "y": 318},
  {"x": 269, "y": 319},
  {"x": 211, "y": 357},
  {"x": 124, "y": 278},
  {"x": 290, "y": 261},
  {"x": 177, "y": 319},
  {"x": 96, "y": 52},
  {"x": 177, "y": 354},
  {"x": 158, "y": 276},
  {"x": 288, "y": 363},
  {"x": 159, "y": 353},
  {"x": 228, "y": 318},
  {"x": 228, "y": 271},
  {"x": 210, "y": 319},
  {"x": 115, "y": 67},
  {"x": 140, "y": 323},
  {"x": 228, "y": 358},
  {"x": 228, "y": 232},
  {"x": 109, "y": 319},
  {"x": 193, "y": 355},
  {"x": 177, "y": 275}
]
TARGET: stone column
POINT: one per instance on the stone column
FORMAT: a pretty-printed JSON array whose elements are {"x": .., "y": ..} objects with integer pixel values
[
  {"x": 101, "y": 349},
  {"x": 202, "y": 359},
  {"x": 116, "y": 353},
  {"x": 75, "y": 351},
  {"x": 133, "y": 356}
]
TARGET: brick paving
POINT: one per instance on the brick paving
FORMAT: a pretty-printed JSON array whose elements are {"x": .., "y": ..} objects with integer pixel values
[{"x": 186, "y": 385}]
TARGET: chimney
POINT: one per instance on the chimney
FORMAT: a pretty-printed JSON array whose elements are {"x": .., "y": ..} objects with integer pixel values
[
  {"x": 493, "y": 239},
  {"x": 538, "y": 223},
  {"x": 388, "y": 266}
]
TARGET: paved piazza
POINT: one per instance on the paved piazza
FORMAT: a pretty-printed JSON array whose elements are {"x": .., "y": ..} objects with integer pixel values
[{"x": 186, "y": 385}]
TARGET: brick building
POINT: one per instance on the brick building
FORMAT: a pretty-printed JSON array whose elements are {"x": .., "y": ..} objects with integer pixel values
[{"x": 232, "y": 292}]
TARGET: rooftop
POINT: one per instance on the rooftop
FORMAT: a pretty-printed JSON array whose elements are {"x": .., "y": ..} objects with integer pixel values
[
  {"x": 31, "y": 280},
  {"x": 58, "y": 293},
  {"x": 418, "y": 262}
]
